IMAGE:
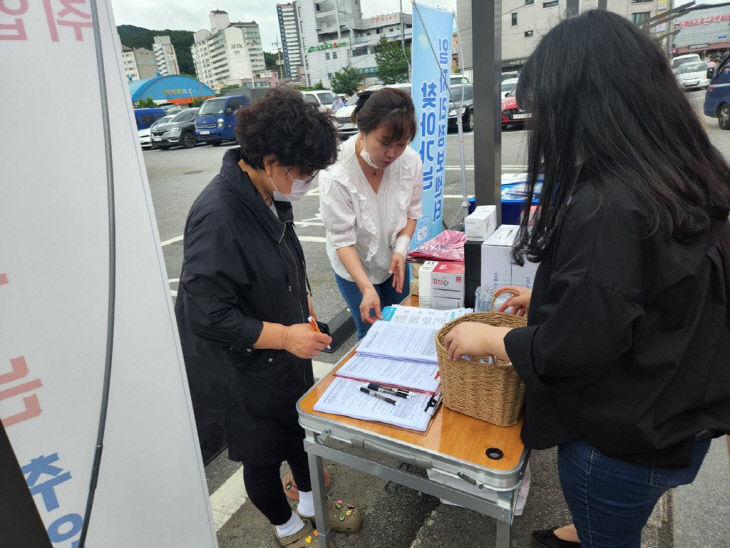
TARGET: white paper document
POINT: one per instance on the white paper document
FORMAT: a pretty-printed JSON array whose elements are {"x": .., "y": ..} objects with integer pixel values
[
  {"x": 408, "y": 374},
  {"x": 401, "y": 341},
  {"x": 343, "y": 397},
  {"x": 414, "y": 315}
]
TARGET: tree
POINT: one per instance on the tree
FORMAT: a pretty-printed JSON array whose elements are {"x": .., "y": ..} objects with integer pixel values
[
  {"x": 392, "y": 64},
  {"x": 346, "y": 81},
  {"x": 270, "y": 59},
  {"x": 139, "y": 37},
  {"x": 146, "y": 102}
]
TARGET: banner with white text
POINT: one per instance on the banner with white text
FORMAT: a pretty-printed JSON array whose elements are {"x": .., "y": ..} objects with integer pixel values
[{"x": 431, "y": 60}]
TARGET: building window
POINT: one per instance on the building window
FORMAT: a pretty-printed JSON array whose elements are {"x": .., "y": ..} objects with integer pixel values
[
  {"x": 334, "y": 55},
  {"x": 550, "y": 4},
  {"x": 329, "y": 76},
  {"x": 529, "y": 2},
  {"x": 640, "y": 1},
  {"x": 514, "y": 19},
  {"x": 528, "y": 34},
  {"x": 327, "y": 56},
  {"x": 640, "y": 17}
]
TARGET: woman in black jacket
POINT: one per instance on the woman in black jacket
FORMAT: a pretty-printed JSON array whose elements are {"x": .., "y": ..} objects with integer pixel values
[
  {"x": 625, "y": 356},
  {"x": 242, "y": 305}
]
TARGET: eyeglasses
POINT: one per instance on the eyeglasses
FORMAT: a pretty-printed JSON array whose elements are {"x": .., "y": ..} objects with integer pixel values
[{"x": 306, "y": 179}]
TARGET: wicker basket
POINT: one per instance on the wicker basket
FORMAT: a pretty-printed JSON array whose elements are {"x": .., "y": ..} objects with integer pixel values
[{"x": 492, "y": 392}]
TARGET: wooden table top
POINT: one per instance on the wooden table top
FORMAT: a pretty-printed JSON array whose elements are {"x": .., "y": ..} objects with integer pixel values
[{"x": 450, "y": 433}]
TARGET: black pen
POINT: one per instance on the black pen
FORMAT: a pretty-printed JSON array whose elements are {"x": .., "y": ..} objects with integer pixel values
[
  {"x": 434, "y": 402},
  {"x": 373, "y": 393},
  {"x": 400, "y": 392}
]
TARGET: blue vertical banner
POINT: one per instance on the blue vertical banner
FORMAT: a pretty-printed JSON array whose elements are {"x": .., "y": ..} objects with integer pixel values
[{"x": 431, "y": 61}]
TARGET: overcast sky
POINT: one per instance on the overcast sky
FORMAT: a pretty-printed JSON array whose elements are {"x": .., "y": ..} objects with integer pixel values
[{"x": 193, "y": 14}]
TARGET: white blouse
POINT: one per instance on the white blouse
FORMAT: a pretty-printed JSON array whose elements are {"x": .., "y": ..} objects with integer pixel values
[{"x": 353, "y": 214}]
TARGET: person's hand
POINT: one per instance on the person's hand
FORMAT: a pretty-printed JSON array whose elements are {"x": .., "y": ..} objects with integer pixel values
[
  {"x": 519, "y": 301},
  {"x": 370, "y": 303},
  {"x": 303, "y": 341},
  {"x": 468, "y": 338},
  {"x": 398, "y": 269}
]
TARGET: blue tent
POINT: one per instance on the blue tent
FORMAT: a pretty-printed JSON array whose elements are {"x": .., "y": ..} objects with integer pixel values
[{"x": 173, "y": 89}]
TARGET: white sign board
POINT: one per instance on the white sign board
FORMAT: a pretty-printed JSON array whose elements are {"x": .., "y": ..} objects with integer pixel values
[{"x": 53, "y": 296}]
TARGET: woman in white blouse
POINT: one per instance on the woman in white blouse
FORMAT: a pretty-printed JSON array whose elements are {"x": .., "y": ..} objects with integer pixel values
[{"x": 370, "y": 200}]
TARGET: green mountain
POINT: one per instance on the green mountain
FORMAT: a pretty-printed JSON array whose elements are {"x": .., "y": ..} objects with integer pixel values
[{"x": 138, "y": 37}]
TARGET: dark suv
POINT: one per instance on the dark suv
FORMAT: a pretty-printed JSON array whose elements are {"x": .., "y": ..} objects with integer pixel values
[
  {"x": 180, "y": 130},
  {"x": 462, "y": 96}
]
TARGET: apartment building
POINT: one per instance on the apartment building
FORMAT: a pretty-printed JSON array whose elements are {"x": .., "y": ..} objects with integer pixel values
[
  {"x": 335, "y": 35},
  {"x": 228, "y": 53},
  {"x": 290, "y": 38},
  {"x": 524, "y": 22},
  {"x": 165, "y": 56},
  {"x": 138, "y": 63}
]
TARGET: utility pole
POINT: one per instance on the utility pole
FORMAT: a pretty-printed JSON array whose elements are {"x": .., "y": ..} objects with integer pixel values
[{"x": 279, "y": 62}]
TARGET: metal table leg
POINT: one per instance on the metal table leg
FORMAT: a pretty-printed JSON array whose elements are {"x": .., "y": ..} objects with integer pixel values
[
  {"x": 504, "y": 533},
  {"x": 316, "y": 472}
]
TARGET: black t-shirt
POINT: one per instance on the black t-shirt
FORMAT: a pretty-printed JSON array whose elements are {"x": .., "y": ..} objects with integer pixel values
[{"x": 628, "y": 340}]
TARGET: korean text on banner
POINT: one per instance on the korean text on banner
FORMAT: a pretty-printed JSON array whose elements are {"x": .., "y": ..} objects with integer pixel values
[
  {"x": 432, "y": 32},
  {"x": 54, "y": 286}
]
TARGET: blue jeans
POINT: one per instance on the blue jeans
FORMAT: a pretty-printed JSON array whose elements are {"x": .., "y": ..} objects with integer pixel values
[
  {"x": 611, "y": 499},
  {"x": 387, "y": 293}
]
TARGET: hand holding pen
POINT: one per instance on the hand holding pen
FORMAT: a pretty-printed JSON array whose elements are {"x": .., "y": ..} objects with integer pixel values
[
  {"x": 304, "y": 342},
  {"x": 313, "y": 322}
]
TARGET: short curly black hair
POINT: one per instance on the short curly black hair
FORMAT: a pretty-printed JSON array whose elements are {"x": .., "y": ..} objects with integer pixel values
[{"x": 283, "y": 124}]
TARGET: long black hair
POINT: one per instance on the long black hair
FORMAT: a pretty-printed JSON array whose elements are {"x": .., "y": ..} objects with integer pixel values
[{"x": 606, "y": 106}]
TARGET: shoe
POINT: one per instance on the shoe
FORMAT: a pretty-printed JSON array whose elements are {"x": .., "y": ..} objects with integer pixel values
[
  {"x": 547, "y": 537},
  {"x": 306, "y": 537},
  {"x": 341, "y": 517}
]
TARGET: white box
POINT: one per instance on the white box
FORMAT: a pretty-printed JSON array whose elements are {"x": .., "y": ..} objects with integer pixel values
[
  {"x": 424, "y": 283},
  {"x": 497, "y": 257},
  {"x": 481, "y": 223},
  {"x": 447, "y": 280},
  {"x": 524, "y": 275}
]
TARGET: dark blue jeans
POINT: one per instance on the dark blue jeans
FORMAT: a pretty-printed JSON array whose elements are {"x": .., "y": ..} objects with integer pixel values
[
  {"x": 387, "y": 293},
  {"x": 611, "y": 499}
]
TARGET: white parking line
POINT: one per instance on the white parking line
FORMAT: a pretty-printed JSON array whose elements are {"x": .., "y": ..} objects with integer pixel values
[{"x": 227, "y": 499}]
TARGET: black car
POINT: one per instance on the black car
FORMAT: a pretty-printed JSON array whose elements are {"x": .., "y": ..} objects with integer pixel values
[
  {"x": 180, "y": 130},
  {"x": 462, "y": 96}
]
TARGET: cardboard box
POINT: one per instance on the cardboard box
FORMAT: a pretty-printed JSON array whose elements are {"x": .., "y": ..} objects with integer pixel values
[
  {"x": 447, "y": 285},
  {"x": 497, "y": 257},
  {"x": 424, "y": 283},
  {"x": 497, "y": 267},
  {"x": 481, "y": 223}
]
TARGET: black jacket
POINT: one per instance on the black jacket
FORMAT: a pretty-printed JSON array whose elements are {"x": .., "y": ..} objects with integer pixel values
[
  {"x": 242, "y": 266},
  {"x": 628, "y": 340}
]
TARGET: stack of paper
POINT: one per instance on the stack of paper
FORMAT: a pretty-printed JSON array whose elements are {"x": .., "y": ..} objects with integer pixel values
[
  {"x": 398, "y": 352},
  {"x": 343, "y": 397}
]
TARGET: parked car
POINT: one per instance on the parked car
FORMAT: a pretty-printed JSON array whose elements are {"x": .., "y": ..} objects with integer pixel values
[
  {"x": 145, "y": 117},
  {"x": 717, "y": 96},
  {"x": 322, "y": 98},
  {"x": 693, "y": 75},
  {"x": 179, "y": 130},
  {"x": 512, "y": 113},
  {"x": 681, "y": 59},
  {"x": 343, "y": 123},
  {"x": 145, "y": 137},
  {"x": 458, "y": 79},
  {"x": 508, "y": 86},
  {"x": 462, "y": 97},
  {"x": 216, "y": 119}
]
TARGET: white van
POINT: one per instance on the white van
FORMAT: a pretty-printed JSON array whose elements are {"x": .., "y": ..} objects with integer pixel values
[
  {"x": 322, "y": 98},
  {"x": 681, "y": 59}
]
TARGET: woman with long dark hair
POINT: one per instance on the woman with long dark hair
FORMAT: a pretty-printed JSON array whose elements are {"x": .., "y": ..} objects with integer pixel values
[{"x": 625, "y": 356}]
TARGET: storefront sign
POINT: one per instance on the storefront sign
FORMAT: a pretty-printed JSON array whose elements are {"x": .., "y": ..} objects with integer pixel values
[{"x": 328, "y": 45}]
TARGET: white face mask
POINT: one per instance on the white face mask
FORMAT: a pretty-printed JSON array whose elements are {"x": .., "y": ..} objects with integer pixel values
[
  {"x": 366, "y": 156},
  {"x": 299, "y": 189}
]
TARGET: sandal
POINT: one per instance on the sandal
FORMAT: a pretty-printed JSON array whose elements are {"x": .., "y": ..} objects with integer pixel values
[
  {"x": 306, "y": 537},
  {"x": 290, "y": 486},
  {"x": 341, "y": 516}
]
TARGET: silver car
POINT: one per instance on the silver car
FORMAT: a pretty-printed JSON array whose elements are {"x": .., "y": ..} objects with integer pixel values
[{"x": 692, "y": 75}]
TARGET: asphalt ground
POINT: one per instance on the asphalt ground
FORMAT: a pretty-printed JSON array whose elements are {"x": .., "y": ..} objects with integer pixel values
[{"x": 394, "y": 516}]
